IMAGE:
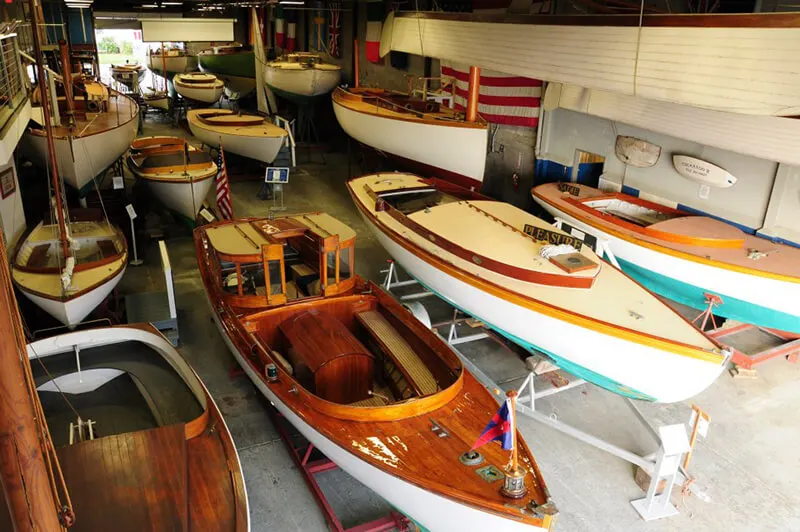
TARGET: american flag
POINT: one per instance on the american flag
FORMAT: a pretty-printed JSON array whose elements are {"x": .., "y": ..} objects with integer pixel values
[
  {"x": 503, "y": 99},
  {"x": 224, "y": 204}
]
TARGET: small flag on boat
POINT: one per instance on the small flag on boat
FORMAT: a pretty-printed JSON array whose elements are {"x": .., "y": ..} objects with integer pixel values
[
  {"x": 223, "y": 188},
  {"x": 501, "y": 428}
]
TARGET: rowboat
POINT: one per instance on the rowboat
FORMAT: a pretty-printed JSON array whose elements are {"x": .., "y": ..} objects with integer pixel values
[
  {"x": 538, "y": 286},
  {"x": 199, "y": 87},
  {"x": 301, "y": 77},
  {"x": 156, "y": 99},
  {"x": 177, "y": 173},
  {"x": 128, "y": 74},
  {"x": 251, "y": 136},
  {"x": 366, "y": 383},
  {"x": 105, "y": 123},
  {"x": 174, "y": 61},
  {"x": 424, "y": 135},
  {"x": 70, "y": 293},
  {"x": 683, "y": 257},
  {"x": 233, "y": 64}
]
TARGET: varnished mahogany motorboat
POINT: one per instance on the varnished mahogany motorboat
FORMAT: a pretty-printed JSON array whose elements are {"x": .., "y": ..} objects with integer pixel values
[
  {"x": 684, "y": 257},
  {"x": 424, "y": 134},
  {"x": 247, "y": 135},
  {"x": 538, "y": 287},
  {"x": 178, "y": 174},
  {"x": 371, "y": 387}
]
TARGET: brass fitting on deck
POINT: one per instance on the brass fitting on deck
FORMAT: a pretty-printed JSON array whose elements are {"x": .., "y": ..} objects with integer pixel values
[{"x": 514, "y": 482}]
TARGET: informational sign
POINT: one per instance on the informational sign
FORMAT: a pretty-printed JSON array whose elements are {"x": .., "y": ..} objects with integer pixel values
[
  {"x": 552, "y": 237},
  {"x": 118, "y": 182},
  {"x": 276, "y": 175},
  {"x": 131, "y": 211},
  {"x": 586, "y": 238},
  {"x": 570, "y": 189},
  {"x": 206, "y": 215}
]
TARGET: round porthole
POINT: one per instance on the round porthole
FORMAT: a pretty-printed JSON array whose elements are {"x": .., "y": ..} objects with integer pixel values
[{"x": 477, "y": 260}]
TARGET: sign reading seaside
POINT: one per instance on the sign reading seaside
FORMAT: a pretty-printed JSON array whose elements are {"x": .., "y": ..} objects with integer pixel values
[{"x": 552, "y": 237}]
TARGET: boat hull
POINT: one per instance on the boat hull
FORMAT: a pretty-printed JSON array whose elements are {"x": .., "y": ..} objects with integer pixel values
[
  {"x": 174, "y": 65},
  {"x": 453, "y": 150},
  {"x": 183, "y": 197},
  {"x": 747, "y": 298},
  {"x": 73, "y": 311},
  {"x": 301, "y": 85},
  {"x": 434, "y": 512},
  {"x": 237, "y": 71},
  {"x": 263, "y": 149},
  {"x": 627, "y": 368},
  {"x": 204, "y": 95}
]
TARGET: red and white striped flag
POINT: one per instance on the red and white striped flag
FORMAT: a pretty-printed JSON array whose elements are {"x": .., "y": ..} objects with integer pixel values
[
  {"x": 280, "y": 24},
  {"x": 503, "y": 99},
  {"x": 291, "y": 40},
  {"x": 224, "y": 204},
  {"x": 375, "y": 13}
]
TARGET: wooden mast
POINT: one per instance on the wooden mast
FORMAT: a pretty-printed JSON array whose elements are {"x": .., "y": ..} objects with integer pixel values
[
  {"x": 164, "y": 67},
  {"x": 473, "y": 94},
  {"x": 66, "y": 73},
  {"x": 24, "y": 473},
  {"x": 51, "y": 150}
]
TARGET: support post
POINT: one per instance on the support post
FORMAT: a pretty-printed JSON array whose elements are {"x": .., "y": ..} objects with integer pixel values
[
  {"x": 355, "y": 63},
  {"x": 472, "y": 95},
  {"x": 66, "y": 73}
]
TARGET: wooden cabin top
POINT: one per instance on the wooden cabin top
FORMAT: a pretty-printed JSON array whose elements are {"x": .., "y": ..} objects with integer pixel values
[
  {"x": 225, "y": 121},
  {"x": 198, "y": 79},
  {"x": 698, "y": 238}
]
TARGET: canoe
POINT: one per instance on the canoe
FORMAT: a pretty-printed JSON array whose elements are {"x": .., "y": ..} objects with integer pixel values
[
  {"x": 301, "y": 77},
  {"x": 176, "y": 61},
  {"x": 235, "y": 65},
  {"x": 178, "y": 174},
  {"x": 251, "y": 136},
  {"x": 426, "y": 136},
  {"x": 105, "y": 125},
  {"x": 158, "y": 454},
  {"x": 101, "y": 255},
  {"x": 682, "y": 256},
  {"x": 367, "y": 384},
  {"x": 503, "y": 266},
  {"x": 199, "y": 87}
]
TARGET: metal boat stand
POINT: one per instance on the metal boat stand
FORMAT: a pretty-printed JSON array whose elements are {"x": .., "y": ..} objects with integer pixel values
[
  {"x": 665, "y": 467},
  {"x": 309, "y": 466}
]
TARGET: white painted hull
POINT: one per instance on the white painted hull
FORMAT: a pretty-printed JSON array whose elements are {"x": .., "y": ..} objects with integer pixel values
[
  {"x": 663, "y": 376},
  {"x": 769, "y": 293},
  {"x": 459, "y": 150},
  {"x": 263, "y": 149},
  {"x": 205, "y": 95},
  {"x": 72, "y": 312},
  {"x": 308, "y": 82},
  {"x": 435, "y": 513},
  {"x": 174, "y": 65},
  {"x": 84, "y": 158},
  {"x": 183, "y": 197},
  {"x": 158, "y": 103}
]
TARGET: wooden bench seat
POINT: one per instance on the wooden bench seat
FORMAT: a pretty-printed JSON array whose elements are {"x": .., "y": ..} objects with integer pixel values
[
  {"x": 394, "y": 345},
  {"x": 38, "y": 257}
]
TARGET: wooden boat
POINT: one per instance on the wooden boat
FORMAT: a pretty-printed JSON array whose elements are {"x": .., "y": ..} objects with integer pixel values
[
  {"x": 423, "y": 134},
  {"x": 175, "y": 61},
  {"x": 683, "y": 257},
  {"x": 156, "y": 99},
  {"x": 105, "y": 123},
  {"x": 251, "y": 136},
  {"x": 199, "y": 87},
  {"x": 233, "y": 64},
  {"x": 128, "y": 74},
  {"x": 301, "y": 77},
  {"x": 357, "y": 374},
  {"x": 505, "y": 267},
  {"x": 177, "y": 173}
]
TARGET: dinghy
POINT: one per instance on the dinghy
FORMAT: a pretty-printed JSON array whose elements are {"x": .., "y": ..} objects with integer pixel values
[
  {"x": 683, "y": 257},
  {"x": 538, "y": 287},
  {"x": 251, "y": 136},
  {"x": 199, "y": 87},
  {"x": 425, "y": 135},
  {"x": 156, "y": 99},
  {"x": 174, "y": 61},
  {"x": 234, "y": 64},
  {"x": 177, "y": 173},
  {"x": 367, "y": 384},
  {"x": 301, "y": 77},
  {"x": 105, "y": 122},
  {"x": 128, "y": 74}
]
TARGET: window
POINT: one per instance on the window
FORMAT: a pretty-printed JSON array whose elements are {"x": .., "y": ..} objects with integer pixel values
[
  {"x": 344, "y": 263},
  {"x": 275, "y": 285},
  {"x": 330, "y": 261}
]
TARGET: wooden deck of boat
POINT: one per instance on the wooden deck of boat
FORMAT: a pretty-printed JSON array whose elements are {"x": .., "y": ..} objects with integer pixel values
[
  {"x": 263, "y": 129},
  {"x": 121, "y": 110}
]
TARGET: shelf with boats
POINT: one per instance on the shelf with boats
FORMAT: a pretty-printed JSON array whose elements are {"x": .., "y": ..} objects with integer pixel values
[
  {"x": 366, "y": 383},
  {"x": 538, "y": 286}
]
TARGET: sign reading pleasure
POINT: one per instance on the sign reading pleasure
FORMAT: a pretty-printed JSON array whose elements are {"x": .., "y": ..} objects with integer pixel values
[{"x": 552, "y": 237}]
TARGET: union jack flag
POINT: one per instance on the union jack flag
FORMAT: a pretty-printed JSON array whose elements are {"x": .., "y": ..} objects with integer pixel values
[
  {"x": 500, "y": 427},
  {"x": 334, "y": 29},
  {"x": 224, "y": 204}
]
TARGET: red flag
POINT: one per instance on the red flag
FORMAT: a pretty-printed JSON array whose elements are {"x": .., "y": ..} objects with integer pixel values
[
  {"x": 500, "y": 427},
  {"x": 224, "y": 204},
  {"x": 375, "y": 14}
]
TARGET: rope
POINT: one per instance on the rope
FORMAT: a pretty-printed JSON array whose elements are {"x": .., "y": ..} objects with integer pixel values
[
  {"x": 552, "y": 250},
  {"x": 638, "y": 46}
]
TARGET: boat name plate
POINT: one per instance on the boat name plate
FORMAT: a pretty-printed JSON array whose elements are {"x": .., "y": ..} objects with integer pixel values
[{"x": 552, "y": 237}]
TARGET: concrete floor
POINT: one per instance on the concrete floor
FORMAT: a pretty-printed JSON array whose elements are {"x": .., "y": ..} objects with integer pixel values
[{"x": 748, "y": 465}]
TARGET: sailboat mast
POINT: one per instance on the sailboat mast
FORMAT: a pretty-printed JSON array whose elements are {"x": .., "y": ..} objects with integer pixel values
[
  {"x": 23, "y": 470},
  {"x": 51, "y": 149}
]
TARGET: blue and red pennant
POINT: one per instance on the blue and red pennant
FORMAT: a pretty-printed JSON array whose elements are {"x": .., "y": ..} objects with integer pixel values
[{"x": 499, "y": 428}]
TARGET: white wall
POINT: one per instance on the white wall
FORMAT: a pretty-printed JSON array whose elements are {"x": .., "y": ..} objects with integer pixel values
[
  {"x": 12, "y": 217},
  {"x": 745, "y": 203},
  {"x": 783, "y": 215}
]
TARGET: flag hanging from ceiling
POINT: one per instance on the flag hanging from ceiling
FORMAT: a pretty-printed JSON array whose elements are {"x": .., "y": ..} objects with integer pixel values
[
  {"x": 375, "y": 13},
  {"x": 334, "y": 28},
  {"x": 291, "y": 41},
  {"x": 503, "y": 99},
  {"x": 500, "y": 427},
  {"x": 224, "y": 204},
  {"x": 280, "y": 25}
]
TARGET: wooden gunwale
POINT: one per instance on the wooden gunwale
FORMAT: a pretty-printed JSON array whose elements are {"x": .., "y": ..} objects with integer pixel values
[
  {"x": 482, "y": 261},
  {"x": 670, "y": 251},
  {"x": 425, "y": 119},
  {"x": 79, "y": 293},
  {"x": 548, "y": 309},
  {"x": 134, "y": 115},
  {"x": 727, "y": 243},
  {"x": 179, "y": 178},
  {"x": 296, "y": 398},
  {"x": 207, "y": 118}
]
